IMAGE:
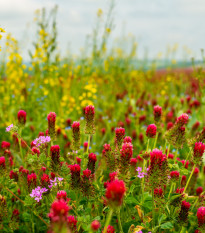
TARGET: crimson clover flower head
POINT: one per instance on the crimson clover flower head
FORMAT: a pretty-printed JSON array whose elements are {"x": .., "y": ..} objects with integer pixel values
[
  {"x": 119, "y": 136},
  {"x": 76, "y": 135},
  {"x": 182, "y": 119},
  {"x": 35, "y": 150},
  {"x": 199, "y": 190},
  {"x": 199, "y": 149},
  {"x": 174, "y": 175},
  {"x": 196, "y": 171},
  {"x": 13, "y": 175},
  {"x": 92, "y": 157},
  {"x": 72, "y": 223},
  {"x": 112, "y": 176},
  {"x": 87, "y": 173},
  {"x": 37, "y": 193},
  {"x": 158, "y": 192},
  {"x": 169, "y": 125},
  {"x": 110, "y": 229},
  {"x": 119, "y": 133},
  {"x": 183, "y": 214},
  {"x": 55, "y": 149},
  {"x": 62, "y": 195},
  {"x": 76, "y": 125},
  {"x": 15, "y": 213},
  {"x": 51, "y": 117},
  {"x": 157, "y": 157},
  {"x": 151, "y": 131},
  {"x": 127, "y": 139},
  {"x": 2, "y": 162},
  {"x": 90, "y": 119},
  {"x": 74, "y": 168},
  {"x": 31, "y": 178},
  {"x": 127, "y": 150},
  {"x": 201, "y": 217},
  {"x": 115, "y": 192},
  {"x": 90, "y": 109},
  {"x": 157, "y": 113},
  {"x": 133, "y": 161},
  {"x": 5, "y": 145},
  {"x": 59, "y": 210},
  {"x": 95, "y": 225},
  {"x": 180, "y": 190},
  {"x": 21, "y": 117},
  {"x": 45, "y": 179}
]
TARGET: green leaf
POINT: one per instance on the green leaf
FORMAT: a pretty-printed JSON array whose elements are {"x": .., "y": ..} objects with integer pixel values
[
  {"x": 131, "y": 200},
  {"x": 167, "y": 225}
]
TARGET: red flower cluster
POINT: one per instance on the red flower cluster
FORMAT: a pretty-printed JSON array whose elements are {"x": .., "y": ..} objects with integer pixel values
[
  {"x": 201, "y": 218},
  {"x": 119, "y": 136},
  {"x": 127, "y": 139},
  {"x": 59, "y": 210},
  {"x": 157, "y": 113},
  {"x": 183, "y": 119},
  {"x": 2, "y": 162},
  {"x": 151, "y": 131},
  {"x": 31, "y": 180},
  {"x": 127, "y": 150},
  {"x": 183, "y": 214},
  {"x": 5, "y": 145},
  {"x": 75, "y": 175},
  {"x": 62, "y": 195},
  {"x": 90, "y": 118},
  {"x": 21, "y": 117},
  {"x": 199, "y": 149},
  {"x": 55, "y": 157},
  {"x": 158, "y": 192},
  {"x": 110, "y": 229},
  {"x": 72, "y": 223},
  {"x": 199, "y": 190},
  {"x": 76, "y": 135},
  {"x": 95, "y": 225},
  {"x": 174, "y": 176},
  {"x": 51, "y": 124},
  {"x": 45, "y": 180},
  {"x": 91, "y": 162},
  {"x": 115, "y": 192}
]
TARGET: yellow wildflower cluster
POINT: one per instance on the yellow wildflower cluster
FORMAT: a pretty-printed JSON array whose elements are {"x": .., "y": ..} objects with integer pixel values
[{"x": 1, "y": 31}]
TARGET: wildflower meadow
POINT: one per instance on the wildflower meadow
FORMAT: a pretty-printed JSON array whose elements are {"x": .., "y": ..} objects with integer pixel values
[{"x": 98, "y": 143}]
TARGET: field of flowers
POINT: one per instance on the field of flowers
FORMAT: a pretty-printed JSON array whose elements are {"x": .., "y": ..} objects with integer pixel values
[{"x": 95, "y": 144}]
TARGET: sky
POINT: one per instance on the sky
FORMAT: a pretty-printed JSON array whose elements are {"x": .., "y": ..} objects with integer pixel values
[{"x": 156, "y": 24}]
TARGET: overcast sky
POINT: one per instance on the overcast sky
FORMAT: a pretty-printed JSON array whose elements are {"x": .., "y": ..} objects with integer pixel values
[{"x": 155, "y": 23}]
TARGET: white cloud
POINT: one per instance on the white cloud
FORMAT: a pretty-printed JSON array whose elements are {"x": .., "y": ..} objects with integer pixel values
[{"x": 156, "y": 23}]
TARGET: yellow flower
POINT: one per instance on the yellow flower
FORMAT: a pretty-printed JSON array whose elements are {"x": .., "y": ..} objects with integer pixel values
[{"x": 99, "y": 12}]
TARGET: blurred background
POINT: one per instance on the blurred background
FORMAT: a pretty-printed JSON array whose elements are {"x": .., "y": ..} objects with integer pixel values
[{"x": 157, "y": 26}]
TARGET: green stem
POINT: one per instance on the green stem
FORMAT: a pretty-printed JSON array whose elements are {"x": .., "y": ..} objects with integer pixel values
[
  {"x": 153, "y": 220},
  {"x": 168, "y": 150},
  {"x": 155, "y": 142},
  {"x": 175, "y": 157},
  {"x": 189, "y": 178},
  {"x": 165, "y": 146},
  {"x": 21, "y": 152},
  {"x": 170, "y": 191},
  {"x": 187, "y": 158},
  {"x": 119, "y": 221},
  {"x": 109, "y": 216},
  {"x": 147, "y": 145},
  {"x": 194, "y": 204},
  {"x": 88, "y": 143}
]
